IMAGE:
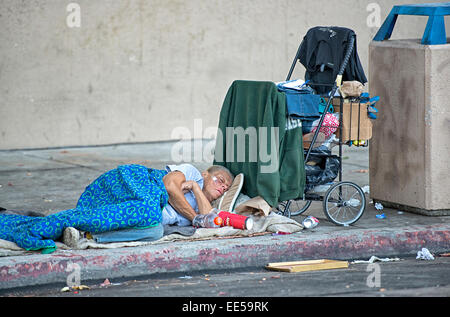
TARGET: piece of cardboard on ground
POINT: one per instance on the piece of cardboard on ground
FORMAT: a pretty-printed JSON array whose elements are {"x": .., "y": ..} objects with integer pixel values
[{"x": 309, "y": 265}]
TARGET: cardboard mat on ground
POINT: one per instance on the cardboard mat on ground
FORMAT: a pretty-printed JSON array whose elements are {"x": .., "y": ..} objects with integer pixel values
[{"x": 262, "y": 224}]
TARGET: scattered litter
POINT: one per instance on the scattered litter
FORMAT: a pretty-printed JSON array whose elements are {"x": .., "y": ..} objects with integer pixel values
[
  {"x": 444, "y": 254},
  {"x": 310, "y": 222},
  {"x": 378, "y": 206},
  {"x": 280, "y": 233},
  {"x": 354, "y": 202},
  {"x": 276, "y": 276},
  {"x": 362, "y": 171},
  {"x": 105, "y": 283},
  {"x": 424, "y": 254},
  {"x": 400, "y": 212},
  {"x": 77, "y": 287},
  {"x": 366, "y": 189},
  {"x": 81, "y": 287},
  {"x": 186, "y": 277},
  {"x": 374, "y": 258}
]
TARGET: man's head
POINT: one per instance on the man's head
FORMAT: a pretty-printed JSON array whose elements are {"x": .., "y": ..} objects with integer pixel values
[{"x": 216, "y": 181}]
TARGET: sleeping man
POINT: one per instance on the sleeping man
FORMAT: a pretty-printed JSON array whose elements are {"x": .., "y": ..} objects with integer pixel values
[
  {"x": 191, "y": 192},
  {"x": 129, "y": 203}
]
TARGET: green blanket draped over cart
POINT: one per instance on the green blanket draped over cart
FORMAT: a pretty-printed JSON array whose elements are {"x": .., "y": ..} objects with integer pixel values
[
  {"x": 130, "y": 196},
  {"x": 256, "y": 138}
]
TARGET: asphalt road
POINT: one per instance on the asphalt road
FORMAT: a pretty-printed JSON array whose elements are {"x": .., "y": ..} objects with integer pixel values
[{"x": 407, "y": 277}]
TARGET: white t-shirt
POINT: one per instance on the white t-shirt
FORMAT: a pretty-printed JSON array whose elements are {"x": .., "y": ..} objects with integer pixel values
[{"x": 169, "y": 215}]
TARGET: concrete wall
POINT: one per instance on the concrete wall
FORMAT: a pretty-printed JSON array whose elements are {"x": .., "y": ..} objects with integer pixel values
[{"x": 136, "y": 70}]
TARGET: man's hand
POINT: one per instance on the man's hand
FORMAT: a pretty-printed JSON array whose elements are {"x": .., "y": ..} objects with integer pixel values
[
  {"x": 190, "y": 186},
  {"x": 204, "y": 206},
  {"x": 176, "y": 186}
]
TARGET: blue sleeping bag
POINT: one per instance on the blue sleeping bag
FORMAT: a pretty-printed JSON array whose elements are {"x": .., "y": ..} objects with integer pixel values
[{"x": 130, "y": 196}]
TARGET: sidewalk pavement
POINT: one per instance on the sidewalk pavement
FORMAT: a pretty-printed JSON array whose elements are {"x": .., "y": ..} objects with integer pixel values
[{"x": 51, "y": 180}]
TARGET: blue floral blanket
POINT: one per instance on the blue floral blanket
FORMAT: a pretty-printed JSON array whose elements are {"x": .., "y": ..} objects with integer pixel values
[{"x": 130, "y": 196}]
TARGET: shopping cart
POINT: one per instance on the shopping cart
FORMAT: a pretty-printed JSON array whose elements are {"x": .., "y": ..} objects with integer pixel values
[{"x": 343, "y": 202}]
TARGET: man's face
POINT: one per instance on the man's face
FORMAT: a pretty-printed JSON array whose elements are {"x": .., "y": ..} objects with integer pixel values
[{"x": 215, "y": 184}]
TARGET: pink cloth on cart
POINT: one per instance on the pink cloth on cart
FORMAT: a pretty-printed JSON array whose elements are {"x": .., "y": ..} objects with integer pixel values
[{"x": 329, "y": 125}]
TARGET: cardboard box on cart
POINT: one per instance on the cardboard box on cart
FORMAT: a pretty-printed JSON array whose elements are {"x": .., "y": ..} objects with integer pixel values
[{"x": 356, "y": 125}]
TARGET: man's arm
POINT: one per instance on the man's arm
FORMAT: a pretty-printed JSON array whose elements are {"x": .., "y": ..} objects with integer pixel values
[
  {"x": 173, "y": 182},
  {"x": 204, "y": 206}
]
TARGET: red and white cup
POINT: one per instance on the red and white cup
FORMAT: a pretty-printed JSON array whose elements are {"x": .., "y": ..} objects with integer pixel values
[{"x": 236, "y": 221}]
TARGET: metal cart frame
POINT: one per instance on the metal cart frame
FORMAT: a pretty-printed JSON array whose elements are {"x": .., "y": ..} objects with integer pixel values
[{"x": 344, "y": 202}]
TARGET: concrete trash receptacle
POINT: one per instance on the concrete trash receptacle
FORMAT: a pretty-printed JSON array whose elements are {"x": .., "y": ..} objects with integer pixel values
[{"x": 410, "y": 147}]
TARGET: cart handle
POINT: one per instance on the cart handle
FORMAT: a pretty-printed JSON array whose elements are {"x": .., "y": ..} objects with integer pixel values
[
  {"x": 351, "y": 44},
  {"x": 336, "y": 85}
]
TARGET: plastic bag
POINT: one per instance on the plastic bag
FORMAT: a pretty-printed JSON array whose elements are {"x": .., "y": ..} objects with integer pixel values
[{"x": 321, "y": 168}]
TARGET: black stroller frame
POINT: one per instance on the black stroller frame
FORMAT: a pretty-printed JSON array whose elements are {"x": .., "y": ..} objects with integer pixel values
[{"x": 344, "y": 202}]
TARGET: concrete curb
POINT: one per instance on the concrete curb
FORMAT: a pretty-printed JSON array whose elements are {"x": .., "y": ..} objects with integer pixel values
[{"x": 183, "y": 257}]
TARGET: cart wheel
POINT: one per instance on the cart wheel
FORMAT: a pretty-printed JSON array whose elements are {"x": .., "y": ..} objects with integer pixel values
[
  {"x": 293, "y": 207},
  {"x": 344, "y": 203}
]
